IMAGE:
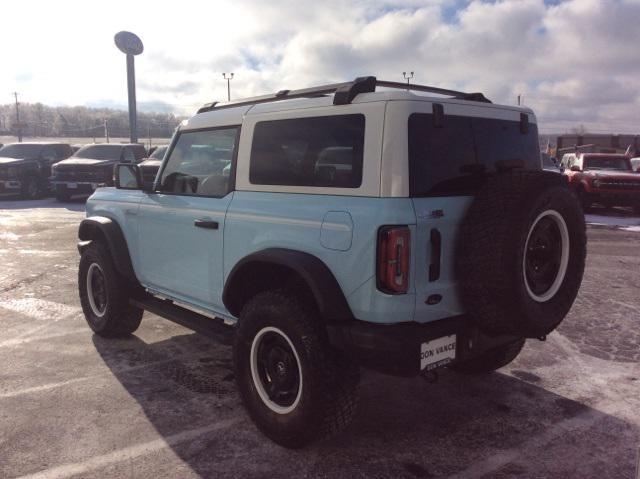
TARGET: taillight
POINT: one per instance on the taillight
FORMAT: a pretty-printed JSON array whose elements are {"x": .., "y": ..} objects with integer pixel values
[{"x": 394, "y": 251}]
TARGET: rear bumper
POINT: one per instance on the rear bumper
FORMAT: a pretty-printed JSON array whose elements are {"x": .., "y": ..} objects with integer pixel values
[{"x": 396, "y": 348}]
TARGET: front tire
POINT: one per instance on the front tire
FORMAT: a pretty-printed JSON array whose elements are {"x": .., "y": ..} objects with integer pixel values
[
  {"x": 104, "y": 294},
  {"x": 294, "y": 386},
  {"x": 63, "y": 197},
  {"x": 30, "y": 189},
  {"x": 490, "y": 360}
]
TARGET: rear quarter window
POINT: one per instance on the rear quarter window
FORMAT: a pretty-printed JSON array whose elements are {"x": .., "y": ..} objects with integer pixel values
[
  {"x": 446, "y": 159},
  {"x": 319, "y": 151}
]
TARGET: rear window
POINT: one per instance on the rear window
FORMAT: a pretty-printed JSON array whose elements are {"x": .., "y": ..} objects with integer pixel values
[
  {"x": 320, "y": 151},
  {"x": 447, "y": 159}
]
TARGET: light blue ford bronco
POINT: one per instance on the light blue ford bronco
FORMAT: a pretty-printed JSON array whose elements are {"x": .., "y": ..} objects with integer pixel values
[{"x": 363, "y": 224}]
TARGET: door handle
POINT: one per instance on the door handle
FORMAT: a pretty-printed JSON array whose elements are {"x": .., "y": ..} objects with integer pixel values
[{"x": 209, "y": 224}]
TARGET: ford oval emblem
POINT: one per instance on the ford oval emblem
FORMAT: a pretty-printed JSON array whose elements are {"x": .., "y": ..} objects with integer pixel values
[{"x": 129, "y": 43}]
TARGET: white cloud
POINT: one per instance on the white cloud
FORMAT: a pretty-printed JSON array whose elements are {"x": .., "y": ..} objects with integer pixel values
[{"x": 574, "y": 62}]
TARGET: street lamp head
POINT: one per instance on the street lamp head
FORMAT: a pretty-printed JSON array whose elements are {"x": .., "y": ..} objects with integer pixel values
[{"x": 129, "y": 43}]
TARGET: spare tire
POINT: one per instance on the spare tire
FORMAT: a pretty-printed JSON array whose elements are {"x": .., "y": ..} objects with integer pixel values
[{"x": 521, "y": 253}]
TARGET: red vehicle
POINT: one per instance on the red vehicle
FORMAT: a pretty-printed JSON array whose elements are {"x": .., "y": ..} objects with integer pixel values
[{"x": 602, "y": 178}]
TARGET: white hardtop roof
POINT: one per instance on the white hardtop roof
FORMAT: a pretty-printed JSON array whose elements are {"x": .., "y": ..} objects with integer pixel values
[{"x": 234, "y": 116}]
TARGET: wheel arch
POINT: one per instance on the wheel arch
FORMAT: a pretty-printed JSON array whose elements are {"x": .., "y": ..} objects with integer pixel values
[
  {"x": 278, "y": 267},
  {"x": 102, "y": 228}
]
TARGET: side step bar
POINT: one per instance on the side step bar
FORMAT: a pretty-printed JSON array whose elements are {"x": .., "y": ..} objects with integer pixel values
[{"x": 213, "y": 328}]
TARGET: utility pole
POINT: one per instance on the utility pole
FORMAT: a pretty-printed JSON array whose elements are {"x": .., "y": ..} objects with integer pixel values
[
  {"x": 18, "y": 126},
  {"x": 407, "y": 77},
  {"x": 106, "y": 131},
  {"x": 228, "y": 78}
]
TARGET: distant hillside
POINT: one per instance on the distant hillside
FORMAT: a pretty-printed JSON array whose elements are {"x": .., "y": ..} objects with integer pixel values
[{"x": 40, "y": 120}]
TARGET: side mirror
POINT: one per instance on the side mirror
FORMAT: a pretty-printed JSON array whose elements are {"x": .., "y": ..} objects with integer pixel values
[
  {"x": 575, "y": 168},
  {"x": 128, "y": 177}
]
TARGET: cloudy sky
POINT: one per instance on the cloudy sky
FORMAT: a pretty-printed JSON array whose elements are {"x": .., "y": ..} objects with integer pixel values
[{"x": 575, "y": 61}]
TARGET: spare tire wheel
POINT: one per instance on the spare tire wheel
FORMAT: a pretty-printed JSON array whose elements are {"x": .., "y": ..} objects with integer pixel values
[{"x": 521, "y": 253}]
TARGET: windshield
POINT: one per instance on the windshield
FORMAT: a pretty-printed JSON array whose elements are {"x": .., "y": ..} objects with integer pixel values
[
  {"x": 20, "y": 151},
  {"x": 99, "y": 152},
  {"x": 158, "y": 154},
  {"x": 606, "y": 163}
]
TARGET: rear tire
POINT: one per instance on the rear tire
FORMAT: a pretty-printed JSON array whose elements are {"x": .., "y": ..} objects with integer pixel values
[
  {"x": 104, "y": 294},
  {"x": 296, "y": 388},
  {"x": 490, "y": 360}
]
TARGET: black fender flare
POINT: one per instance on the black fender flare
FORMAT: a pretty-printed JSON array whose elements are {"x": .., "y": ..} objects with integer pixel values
[
  {"x": 331, "y": 301},
  {"x": 102, "y": 227}
]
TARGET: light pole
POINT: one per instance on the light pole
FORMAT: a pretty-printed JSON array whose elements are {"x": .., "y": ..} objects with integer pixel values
[
  {"x": 131, "y": 45},
  {"x": 228, "y": 78},
  {"x": 407, "y": 77}
]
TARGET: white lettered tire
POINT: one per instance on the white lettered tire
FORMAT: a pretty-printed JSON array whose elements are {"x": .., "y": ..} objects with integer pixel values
[{"x": 294, "y": 386}]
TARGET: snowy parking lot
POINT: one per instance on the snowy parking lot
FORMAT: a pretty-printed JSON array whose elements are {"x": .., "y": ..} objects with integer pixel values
[{"x": 163, "y": 403}]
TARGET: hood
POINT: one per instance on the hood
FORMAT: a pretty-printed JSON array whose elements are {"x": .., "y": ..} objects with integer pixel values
[
  {"x": 151, "y": 163},
  {"x": 13, "y": 161},
  {"x": 85, "y": 162},
  {"x": 623, "y": 175}
]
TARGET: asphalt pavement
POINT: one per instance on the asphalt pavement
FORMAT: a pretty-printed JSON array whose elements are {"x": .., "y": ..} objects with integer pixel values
[{"x": 163, "y": 403}]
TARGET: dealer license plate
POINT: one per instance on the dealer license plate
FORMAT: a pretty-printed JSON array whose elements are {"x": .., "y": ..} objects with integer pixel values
[{"x": 437, "y": 352}]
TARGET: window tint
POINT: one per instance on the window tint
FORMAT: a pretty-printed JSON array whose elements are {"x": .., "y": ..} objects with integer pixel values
[
  {"x": 48, "y": 153},
  {"x": 606, "y": 163},
  {"x": 20, "y": 151},
  {"x": 441, "y": 159},
  {"x": 100, "y": 152},
  {"x": 502, "y": 140},
  {"x": 128, "y": 156},
  {"x": 62, "y": 151},
  {"x": 320, "y": 151},
  {"x": 200, "y": 163},
  {"x": 447, "y": 159}
]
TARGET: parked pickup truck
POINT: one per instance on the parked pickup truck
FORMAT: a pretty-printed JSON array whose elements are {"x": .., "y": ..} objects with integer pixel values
[
  {"x": 91, "y": 167},
  {"x": 25, "y": 168},
  {"x": 602, "y": 178}
]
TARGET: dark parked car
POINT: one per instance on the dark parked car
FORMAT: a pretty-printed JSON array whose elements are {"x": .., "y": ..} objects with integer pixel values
[
  {"x": 150, "y": 166},
  {"x": 92, "y": 167},
  {"x": 25, "y": 168}
]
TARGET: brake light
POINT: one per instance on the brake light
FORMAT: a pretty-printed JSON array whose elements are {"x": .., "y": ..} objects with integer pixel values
[{"x": 394, "y": 251}]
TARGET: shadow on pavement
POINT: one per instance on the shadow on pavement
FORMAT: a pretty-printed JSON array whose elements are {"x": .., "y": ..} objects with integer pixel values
[{"x": 405, "y": 427}]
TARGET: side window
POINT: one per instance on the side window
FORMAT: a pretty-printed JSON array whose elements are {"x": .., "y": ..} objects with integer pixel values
[
  {"x": 442, "y": 159},
  {"x": 62, "y": 152},
  {"x": 139, "y": 152},
  {"x": 49, "y": 153},
  {"x": 128, "y": 155},
  {"x": 320, "y": 151},
  {"x": 200, "y": 163}
]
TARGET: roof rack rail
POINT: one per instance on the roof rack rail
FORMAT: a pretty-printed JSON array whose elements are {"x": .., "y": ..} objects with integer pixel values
[{"x": 344, "y": 93}]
